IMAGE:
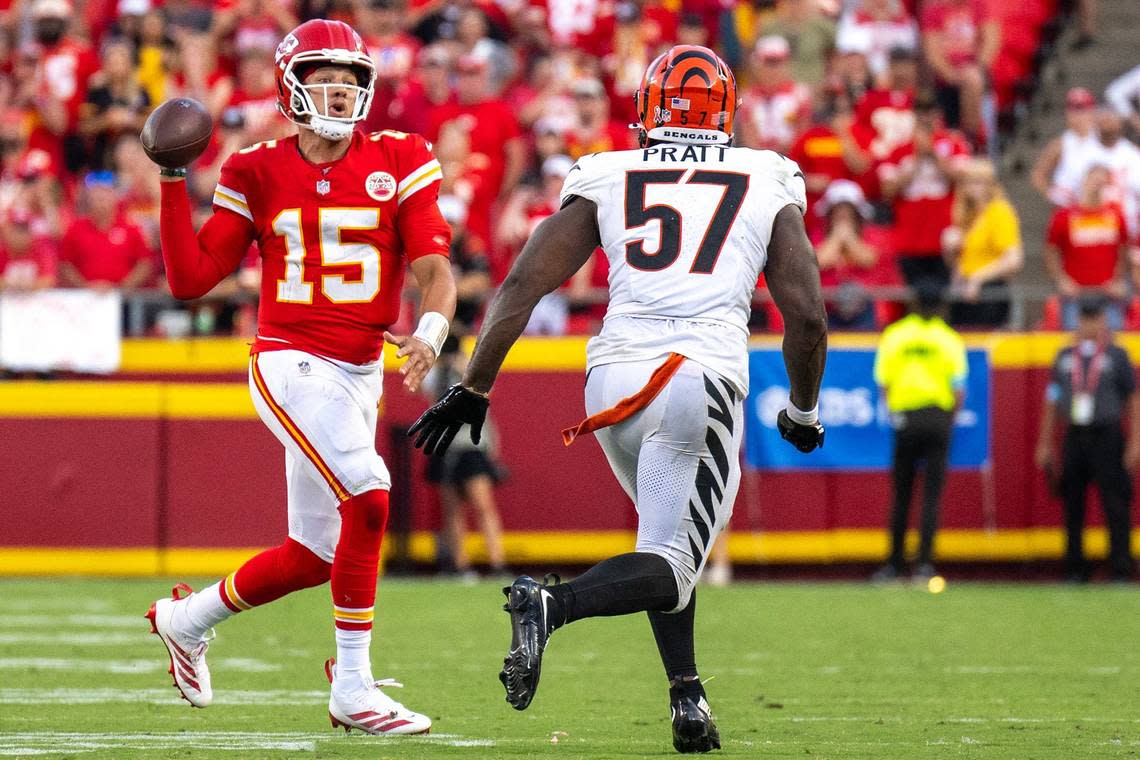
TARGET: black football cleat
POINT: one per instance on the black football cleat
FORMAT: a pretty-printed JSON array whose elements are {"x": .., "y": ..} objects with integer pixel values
[
  {"x": 528, "y": 603},
  {"x": 694, "y": 729}
]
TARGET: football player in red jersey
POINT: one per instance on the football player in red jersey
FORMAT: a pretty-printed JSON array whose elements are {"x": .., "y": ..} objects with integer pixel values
[{"x": 334, "y": 212}]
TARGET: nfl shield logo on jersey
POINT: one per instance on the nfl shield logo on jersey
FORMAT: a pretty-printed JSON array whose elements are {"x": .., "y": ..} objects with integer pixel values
[
  {"x": 304, "y": 367},
  {"x": 323, "y": 186},
  {"x": 381, "y": 186}
]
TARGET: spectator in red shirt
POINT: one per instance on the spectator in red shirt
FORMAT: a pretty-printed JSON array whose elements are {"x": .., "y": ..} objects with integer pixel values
[
  {"x": 416, "y": 97},
  {"x": 473, "y": 37},
  {"x": 885, "y": 116},
  {"x": 919, "y": 179},
  {"x": 255, "y": 96},
  {"x": 961, "y": 39},
  {"x": 594, "y": 130},
  {"x": 493, "y": 136},
  {"x": 45, "y": 116},
  {"x": 541, "y": 94},
  {"x": 846, "y": 259},
  {"x": 66, "y": 62},
  {"x": 776, "y": 108},
  {"x": 393, "y": 50},
  {"x": 100, "y": 249},
  {"x": 140, "y": 189},
  {"x": 828, "y": 151},
  {"x": 27, "y": 262},
  {"x": 193, "y": 70},
  {"x": 1086, "y": 250}
]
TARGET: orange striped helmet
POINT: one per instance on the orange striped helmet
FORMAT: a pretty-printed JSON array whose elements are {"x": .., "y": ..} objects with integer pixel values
[{"x": 688, "y": 95}]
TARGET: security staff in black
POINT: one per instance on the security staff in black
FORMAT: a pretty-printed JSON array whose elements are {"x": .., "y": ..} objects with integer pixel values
[{"x": 1093, "y": 382}]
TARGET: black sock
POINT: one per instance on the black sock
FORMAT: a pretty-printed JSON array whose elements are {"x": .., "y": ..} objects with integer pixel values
[
  {"x": 674, "y": 634},
  {"x": 633, "y": 582}
]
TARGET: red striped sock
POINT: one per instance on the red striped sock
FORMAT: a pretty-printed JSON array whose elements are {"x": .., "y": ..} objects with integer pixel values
[
  {"x": 270, "y": 575},
  {"x": 354, "y": 570}
]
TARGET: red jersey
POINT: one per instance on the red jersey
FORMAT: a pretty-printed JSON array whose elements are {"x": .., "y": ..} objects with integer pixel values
[
  {"x": 489, "y": 125},
  {"x": 64, "y": 71},
  {"x": 819, "y": 152},
  {"x": 334, "y": 237},
  {"x": 1089, "y": 240},
  {"x": 886, "y": 117},
  {"x": 959, "y": 25},
  {"x": 103, "y": 255},
  {"x": 922, "y": 208},
  {"x": 23, "y": 271}
]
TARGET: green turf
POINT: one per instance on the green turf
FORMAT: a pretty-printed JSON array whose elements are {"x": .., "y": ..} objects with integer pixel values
[{"x": 831, "y": 671}]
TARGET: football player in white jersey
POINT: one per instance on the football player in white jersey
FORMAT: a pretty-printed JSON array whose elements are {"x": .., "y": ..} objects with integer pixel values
[{"x": 688, "y": 223}]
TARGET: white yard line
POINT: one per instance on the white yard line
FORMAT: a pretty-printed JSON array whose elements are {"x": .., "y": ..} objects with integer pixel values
[
  {"x": 51, "y": 742},
  {"x": 167, "y": 696},
  {"x": 67, "y": 621},
  {"x": 83, "y": 639},
  {"x": 40, "y": 604},
  {"x": 242, "y": 664}
]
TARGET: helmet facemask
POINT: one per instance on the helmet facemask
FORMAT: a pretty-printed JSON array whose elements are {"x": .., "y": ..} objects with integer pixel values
[{"x": 306, "y": 100}]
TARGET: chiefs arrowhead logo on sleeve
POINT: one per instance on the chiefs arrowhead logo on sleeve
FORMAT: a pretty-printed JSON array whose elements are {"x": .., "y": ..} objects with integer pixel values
[{"x": 380, "y": 186}]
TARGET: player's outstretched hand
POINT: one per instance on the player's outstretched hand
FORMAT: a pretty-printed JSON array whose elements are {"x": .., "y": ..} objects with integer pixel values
[
  {"x": 806, "y": 438},
  {"x": 420, "y": 358},
  {"x": 438, "y": 425}
]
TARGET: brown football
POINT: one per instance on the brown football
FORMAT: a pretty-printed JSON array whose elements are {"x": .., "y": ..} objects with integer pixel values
[{"x": 177, "y": 132}]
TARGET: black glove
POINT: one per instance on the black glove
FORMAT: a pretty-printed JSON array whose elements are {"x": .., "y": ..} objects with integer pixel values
[
  {"x": 439, "y": 424},
  {"x": 806, "y": 438}
]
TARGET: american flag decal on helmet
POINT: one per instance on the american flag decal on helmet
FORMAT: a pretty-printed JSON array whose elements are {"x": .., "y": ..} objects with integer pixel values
[{"x": 681, "y": 104}]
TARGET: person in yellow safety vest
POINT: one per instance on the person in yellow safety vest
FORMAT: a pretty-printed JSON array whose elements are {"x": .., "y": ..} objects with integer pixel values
[{"x": 921, "y": 370}]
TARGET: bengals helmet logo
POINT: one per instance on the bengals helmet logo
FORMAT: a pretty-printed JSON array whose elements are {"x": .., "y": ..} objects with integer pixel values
[{"x": 690, "y": 93}]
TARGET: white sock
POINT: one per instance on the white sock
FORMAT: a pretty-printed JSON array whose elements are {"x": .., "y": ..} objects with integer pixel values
[
  {"x": 201, "y": 612},
  {"x": 352, "y": 654}
]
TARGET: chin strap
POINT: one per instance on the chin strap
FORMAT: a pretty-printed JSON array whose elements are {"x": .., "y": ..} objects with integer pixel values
[{"x": 330, "y": 129}]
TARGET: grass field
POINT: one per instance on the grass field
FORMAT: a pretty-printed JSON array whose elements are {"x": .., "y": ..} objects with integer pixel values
[{"x": 822, "y": 671}]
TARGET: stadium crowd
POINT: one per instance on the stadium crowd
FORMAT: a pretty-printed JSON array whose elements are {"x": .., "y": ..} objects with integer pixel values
[{"x": 892, "y": 108}]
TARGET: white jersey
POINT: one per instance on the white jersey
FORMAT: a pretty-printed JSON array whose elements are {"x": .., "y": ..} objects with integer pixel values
[
  {"x": 686, "y": 231},
  {"x": 1077, "y": 155}
]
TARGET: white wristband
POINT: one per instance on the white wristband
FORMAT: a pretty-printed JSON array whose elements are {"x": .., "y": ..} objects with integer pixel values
[
  {"x": 802, "y": 418},
  {"x": 432, "y": 330}
]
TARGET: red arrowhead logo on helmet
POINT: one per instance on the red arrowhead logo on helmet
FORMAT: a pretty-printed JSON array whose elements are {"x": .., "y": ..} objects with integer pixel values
[{"x": 322, "y": 43}]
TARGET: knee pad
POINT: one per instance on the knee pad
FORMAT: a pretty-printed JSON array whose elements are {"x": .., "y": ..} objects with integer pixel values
[{"x": 364, "y": 470}]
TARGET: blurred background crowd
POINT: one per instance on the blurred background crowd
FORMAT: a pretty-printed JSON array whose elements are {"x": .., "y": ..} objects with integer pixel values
[{"x": 897, "y": 111}]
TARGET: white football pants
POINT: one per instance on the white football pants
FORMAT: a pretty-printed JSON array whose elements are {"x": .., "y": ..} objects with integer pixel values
[
  {"x": 678, "y": 459},
  {"x": 324, "y": 413}
]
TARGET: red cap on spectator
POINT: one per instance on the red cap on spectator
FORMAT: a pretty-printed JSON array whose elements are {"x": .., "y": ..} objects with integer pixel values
[
  {"x": 1079, "y": 97},
  {"x": 773, "y": 48}
]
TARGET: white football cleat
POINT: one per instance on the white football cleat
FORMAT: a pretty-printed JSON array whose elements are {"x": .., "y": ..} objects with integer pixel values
[
  {"x": 365, "y": 707},
  {"x": 187, "y": 654}
]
